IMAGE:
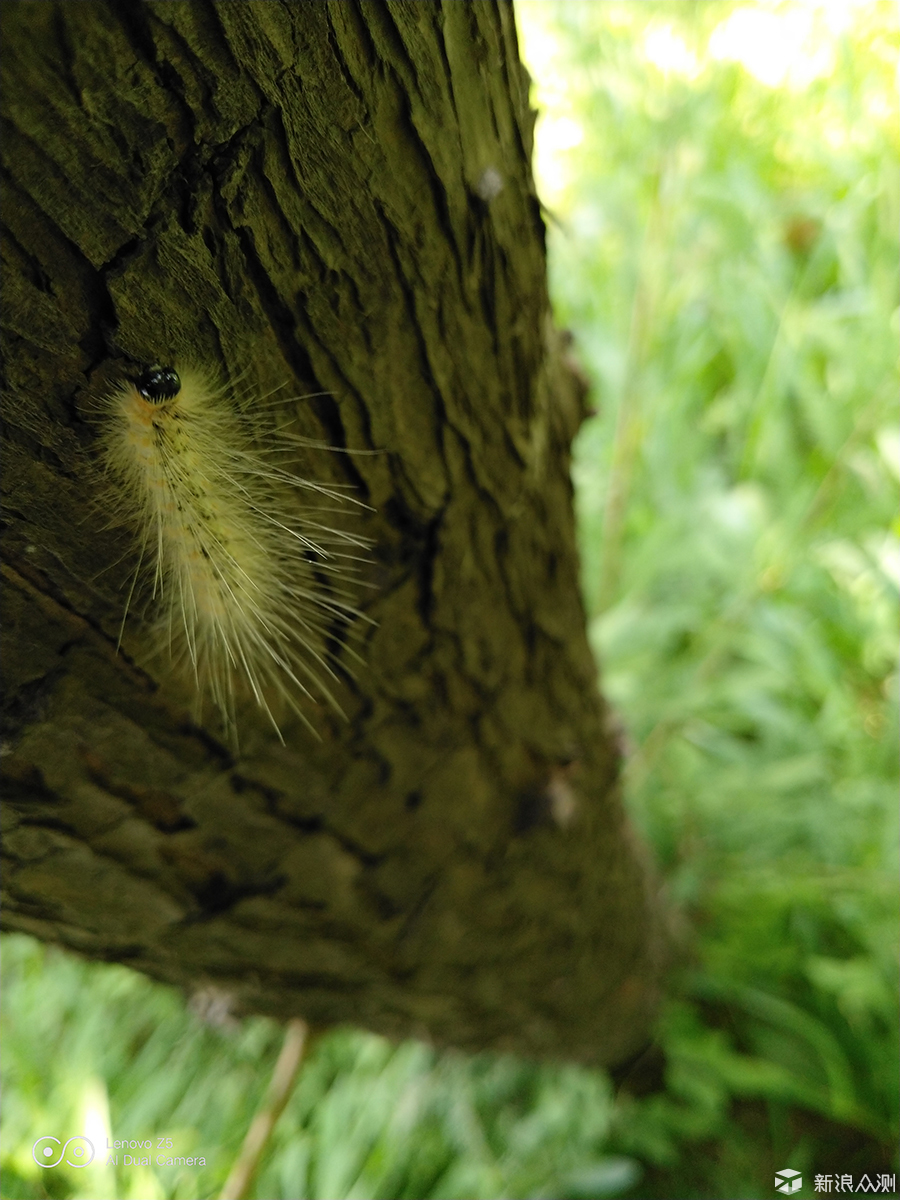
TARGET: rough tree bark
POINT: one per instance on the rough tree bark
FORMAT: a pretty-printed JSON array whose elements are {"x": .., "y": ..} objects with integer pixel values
[{"x": 338, "y": 195}]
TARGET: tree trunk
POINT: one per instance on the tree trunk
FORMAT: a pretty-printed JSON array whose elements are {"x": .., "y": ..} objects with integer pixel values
[{"x": 336, "y": 194}]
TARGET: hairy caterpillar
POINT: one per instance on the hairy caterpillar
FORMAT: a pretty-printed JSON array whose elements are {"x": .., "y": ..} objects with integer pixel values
[{"x": 248, "y": 581}]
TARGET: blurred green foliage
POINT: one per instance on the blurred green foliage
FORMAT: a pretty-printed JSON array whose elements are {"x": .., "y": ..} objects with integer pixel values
[
  {"x": 366, "y": 1118},
  {"x": 725, "y": 251},
  {"x": 723, "y": 243}
]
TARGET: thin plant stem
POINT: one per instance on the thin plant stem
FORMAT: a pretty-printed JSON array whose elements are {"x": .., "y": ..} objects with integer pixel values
[
  {"x": 277, "y": 1095},
  {"x": 629, "y": 426}
]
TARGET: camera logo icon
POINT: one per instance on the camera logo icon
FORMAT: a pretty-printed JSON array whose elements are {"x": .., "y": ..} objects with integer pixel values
[
  {"x": 78, "y": 1151},
  {"x": 788, "y": 1181}
]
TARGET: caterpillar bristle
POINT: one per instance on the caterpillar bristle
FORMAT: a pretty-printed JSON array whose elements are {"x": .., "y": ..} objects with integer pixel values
[{"x": 249, "y": 583}]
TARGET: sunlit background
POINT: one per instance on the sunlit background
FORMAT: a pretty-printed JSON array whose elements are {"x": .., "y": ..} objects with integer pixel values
[{"x": 721, "y": 191}]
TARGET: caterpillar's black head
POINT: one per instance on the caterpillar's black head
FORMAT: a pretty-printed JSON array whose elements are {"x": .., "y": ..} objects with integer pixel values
[{"x": 158, "y": 384}]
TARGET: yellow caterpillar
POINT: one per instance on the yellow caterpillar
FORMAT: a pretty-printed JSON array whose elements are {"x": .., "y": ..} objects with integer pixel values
[{"x": 247, "y": 580}]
